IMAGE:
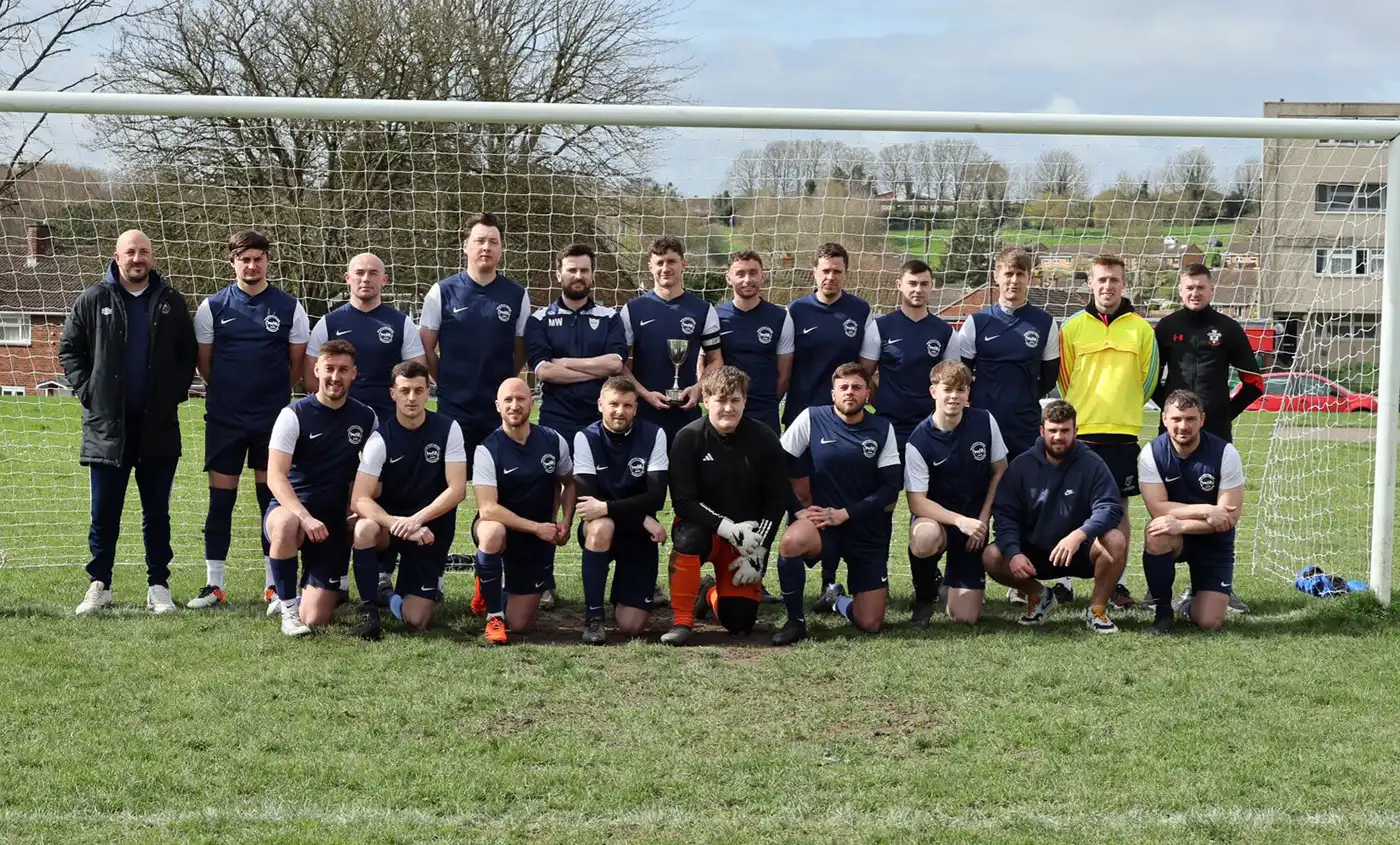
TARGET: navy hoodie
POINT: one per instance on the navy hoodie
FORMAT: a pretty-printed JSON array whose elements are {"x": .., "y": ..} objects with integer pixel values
[{"x": 1038, "y": 503}]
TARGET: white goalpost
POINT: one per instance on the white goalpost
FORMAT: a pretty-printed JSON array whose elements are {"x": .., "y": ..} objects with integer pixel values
[{"x": 1295, "y": 216}]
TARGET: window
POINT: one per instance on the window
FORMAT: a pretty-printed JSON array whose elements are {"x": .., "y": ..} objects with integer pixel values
[
  {"x": 1304, "y": 386},
  {"x": 14, "y": 329},
  {"x": 1342, "y": 198},
  {"x": 1349, "y": 327},
  {"x": 1348, "y": 261},
  {"x": 1276, "y": 386},
  {"x": 11, "y": 391}
]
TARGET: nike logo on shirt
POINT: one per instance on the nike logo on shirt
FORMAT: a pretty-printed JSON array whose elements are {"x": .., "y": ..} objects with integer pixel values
[
  {"x": 396, "y": 460},
  {"x": 647, "y": 322},
  {"x": 826, "y": 442},
  {"x": 990, "y": 336},
  {"x": 940, "y": 463},
  {"x": 458, "y": 310},
  {"x": 722, "y": 334},
  {"x": 346, "y": 331},
  {"x": 316, "y": 435},
  {"x": 1177, "y": 478},
  {"x": 892, "y": 341},
  {"x": 229, "y": 320},
  {"x": 812, "y": 329},
  {"x": 512, "y": 469},
  {"x": 604, "y": 466}
]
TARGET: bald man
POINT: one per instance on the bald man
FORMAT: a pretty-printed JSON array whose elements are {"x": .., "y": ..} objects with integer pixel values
[
  {"x": 128, "y": 350},
  {"x": 523, "y": 477}
]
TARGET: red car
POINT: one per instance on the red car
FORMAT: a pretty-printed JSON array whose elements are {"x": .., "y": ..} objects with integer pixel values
[{"x": 1310, "y": 392}]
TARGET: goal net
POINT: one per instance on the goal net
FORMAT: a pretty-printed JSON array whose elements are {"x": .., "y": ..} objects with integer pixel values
[{"x": 1292, "y": 230}]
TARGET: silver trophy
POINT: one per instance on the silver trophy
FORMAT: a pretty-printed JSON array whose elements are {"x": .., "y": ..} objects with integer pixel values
[{"x": 678, "y": 351}]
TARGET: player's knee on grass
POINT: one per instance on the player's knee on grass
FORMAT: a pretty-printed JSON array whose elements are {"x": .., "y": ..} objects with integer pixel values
[
  {"x": 366, "y": 534},
  {"x": 417, "y": 612},
  {"x": 868, "y": 611},
  {"x": 490, "y": 537},
  {"x": 630, "y": 621},
  {"x": 1208, "y": 609},
  {"x": 521, "y": 611},
  {"x": 965, "y": 606},
  {"x": 800, "y": 539},
  {"x": 927, "y": 538},
  {"x": 736, "y": 614},
  {"x": 598, "y": 535},
  {"x": 1161, "y": 544},
  {"x": 317, "y": 605},
  {"x": 691, "y": 539}
]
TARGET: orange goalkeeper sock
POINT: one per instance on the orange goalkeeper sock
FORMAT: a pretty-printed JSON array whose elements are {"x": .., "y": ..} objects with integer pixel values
[
  {"x": 712, "y": 599},
  {"x": 685, "y": 585}
]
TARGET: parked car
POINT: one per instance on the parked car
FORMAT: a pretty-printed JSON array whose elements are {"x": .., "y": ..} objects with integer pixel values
[{"x": 1310, "y": 392}]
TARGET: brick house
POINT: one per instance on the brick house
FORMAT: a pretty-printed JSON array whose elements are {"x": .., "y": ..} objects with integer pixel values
[{"x": 37, "y": 289}]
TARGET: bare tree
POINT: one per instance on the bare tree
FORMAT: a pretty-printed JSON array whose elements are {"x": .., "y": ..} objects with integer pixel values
[
  {"x": 745, "y": 177},
  {"x": 897, "y": 167},
  {"x": 1248, "y": 183},
  {"x": 1059, "y": 173},
  {"x": 34, "y": 36},
  {"x": 1190, "y": 173}
]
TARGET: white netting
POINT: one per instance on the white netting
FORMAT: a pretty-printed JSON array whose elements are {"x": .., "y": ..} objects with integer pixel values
[{"x": 1274, "y": 220}]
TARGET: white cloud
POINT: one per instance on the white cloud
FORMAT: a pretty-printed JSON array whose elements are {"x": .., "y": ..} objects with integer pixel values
[{"x": 1061, "y": 105}]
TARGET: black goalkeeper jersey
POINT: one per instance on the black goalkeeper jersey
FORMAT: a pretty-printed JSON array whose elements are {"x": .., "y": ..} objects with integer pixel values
[
  {"x": 1198, "y": 348},
  {"x": 742, "y": 476}
]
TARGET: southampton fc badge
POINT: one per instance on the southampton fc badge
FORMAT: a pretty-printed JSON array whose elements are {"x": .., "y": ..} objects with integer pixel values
[{"x": 1213, "y": 337}]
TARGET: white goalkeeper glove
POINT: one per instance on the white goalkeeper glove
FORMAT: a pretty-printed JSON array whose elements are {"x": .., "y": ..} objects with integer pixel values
[
  {"x": 749, "y": 570},
  {"x": 755, "y": 545},
  {"x": 739, "y": 534}
]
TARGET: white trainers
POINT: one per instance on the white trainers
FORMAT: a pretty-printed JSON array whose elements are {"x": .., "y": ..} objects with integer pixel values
[
  {"x": 158, "y": 600},
  {"x": 292, "y": 625},
  {"x": 274, "y": 607},
  {"x": 98, "y": 596},
  {"x": 209, "y": 596}
]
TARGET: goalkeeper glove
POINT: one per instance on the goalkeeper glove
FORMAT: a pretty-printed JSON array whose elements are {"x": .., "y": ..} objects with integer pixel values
[
  {"x": 739, "y": 534},
  {"x": 749, "y": 570}
]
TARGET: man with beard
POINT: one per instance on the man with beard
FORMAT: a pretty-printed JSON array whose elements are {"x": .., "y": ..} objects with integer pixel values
[
  {"x": 313, "y": 455},
  {"x": 756, "y": 336}
]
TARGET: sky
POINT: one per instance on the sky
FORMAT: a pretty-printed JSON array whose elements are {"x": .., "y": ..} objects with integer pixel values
[{"x": 1070, "y": 56}]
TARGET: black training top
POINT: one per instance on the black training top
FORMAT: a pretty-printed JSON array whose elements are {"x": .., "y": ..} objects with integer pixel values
[
  {"x": 1198, "y": 349},
  {"x": 742, "y": 476}
]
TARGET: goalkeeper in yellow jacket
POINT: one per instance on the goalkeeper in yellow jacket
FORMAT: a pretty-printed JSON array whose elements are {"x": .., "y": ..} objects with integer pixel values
[{"x": 1108, "y": 370}]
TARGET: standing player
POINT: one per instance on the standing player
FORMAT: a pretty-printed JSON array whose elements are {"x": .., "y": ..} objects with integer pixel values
[
  {"x": 620, "y": 474},
  {"x": 1108, "y": 371},
  {"x": 848, "y": 501},
  {"x": 130, "y": 373},
  {"x": 756, "y": 336},
  {"x": 312, "y": 457},
  {"x": 830, "y": 328},
  {"x": 668, "y": 312},
  {"x": 412, "y": 477},
  {"x": 381, "y": 335},
  {"x": 522, "y": 475},
  {"x": 1193, "y": 486},
  {"x": 729, "y": 489},
  {"x": 252, "y": 341},
  {"x": 574, "y": 344},
  {"x": 912, "y": 341},
  {"x": 1057, "y": 511},
  {"x": 952, "y": 465},
  {"x": 1199, "y": 345}
]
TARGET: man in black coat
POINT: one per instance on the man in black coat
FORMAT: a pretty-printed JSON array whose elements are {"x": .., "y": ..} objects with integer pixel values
[{"x": 128, "y": 350}]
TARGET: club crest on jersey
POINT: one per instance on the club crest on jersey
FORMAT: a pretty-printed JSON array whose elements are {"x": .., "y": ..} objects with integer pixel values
[
  {"x": 385, "y": 334},
  {"x": 272, "y": 323},
  {"x": 593, "y": 323},
  {"x": 432, "y": 453},
  {"x": 687, "y": 325},
  {"x": 1207, "y": 482},
  {"x": 503, "y": 313},
  {"x": 354, "y": 434},
  {"x": 637, "y": 466},
  {"x": 547, "y": 461},
  {"x": 979, "y": 451},
  {"x": 765, "y": 335},
  {"x": 850, "y": 328},
  {"x": 868, "y": 448},
  {"x": 935, "y": 348},
  {"x": 1032, "y": 339},
  {"x": 1213, "y": 337},
  {"x": 165, "y": 308}
]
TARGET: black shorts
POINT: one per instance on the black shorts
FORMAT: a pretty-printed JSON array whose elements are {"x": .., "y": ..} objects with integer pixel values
[
  {"x": 325, "y": 564},
  {"x": 867, "y": 560},
  {"x": 225, "y": 449},
  {"x": 528, "y": 562},
  {"x": 1211, "y": 562},
  {"x": 420, "y": 567},
  {"x": 964, "y": 570},
  {"x": 1080, "y": 566},
  {"x": 1122, "y": 460},
  {"x": 638, "y": 561}
]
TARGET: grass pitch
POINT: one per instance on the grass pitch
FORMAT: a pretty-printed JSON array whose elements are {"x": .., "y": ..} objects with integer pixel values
[{"x": 215, "y": 728}]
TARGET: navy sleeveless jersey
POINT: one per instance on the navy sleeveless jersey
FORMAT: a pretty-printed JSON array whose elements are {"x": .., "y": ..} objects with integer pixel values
[
  {"x": 649, "y": 322},
  {"x": 325, "y": 446},
  {"x": 414, "y": 472},
  {"x": 1008, "y": 351},
  {"x": 1196, "y": 478},
  {"x": 378, "y": 338},
  {"x": 908, "y": 351},
  {"x": 476, "y": 344},
  {"x": 824, "y": 337},
  {"x": 525, "y": 475},
  {"x": 957, "y": 463},
  {"x": 620, "y": 464},
  {"x": 250, "y": 375},
  {"x": 751, "y": 341},
  {"x": 846, "y": 460}
]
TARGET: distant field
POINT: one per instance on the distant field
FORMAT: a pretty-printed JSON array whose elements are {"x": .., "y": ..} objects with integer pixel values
[{"x": 913, "y": 242}]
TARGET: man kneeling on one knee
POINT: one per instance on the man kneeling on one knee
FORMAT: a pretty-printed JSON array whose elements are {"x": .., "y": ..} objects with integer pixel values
[{"x": 1056, "y": 513}]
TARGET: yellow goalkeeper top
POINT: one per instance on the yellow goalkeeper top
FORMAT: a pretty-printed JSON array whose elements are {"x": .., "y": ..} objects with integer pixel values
[{"x": 1108, "y": 368}]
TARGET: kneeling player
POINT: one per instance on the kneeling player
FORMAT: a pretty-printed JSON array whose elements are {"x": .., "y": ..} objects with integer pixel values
[
  {"x": 620, "y": 474},
  {"x": 952, "y": 465},
  {"x": 521, "y": 475},
  {"x": 411, "y": 479},
  {"x": 729, "y": 489},
  {"x": 313, "y": 453},
  {"x": 1193, "y": 485},
  {"x": 1056, "y": 514},
  {"x": 849, "y": 500}
]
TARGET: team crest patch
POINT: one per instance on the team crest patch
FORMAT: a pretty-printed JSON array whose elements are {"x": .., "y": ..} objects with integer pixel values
[
  {"x": 688, "y": 325},
  {"x": 503, "y": 313},
  {"x": 765, "y": 335},
  {"x": 593, "y": 323},
  {"x": 354, "y": 434},
  {"x": 850, "y": 328},
  {"x": 1207, "y": 482},
  {"x": 935, "y": 348},
  {"x": 1213, "y": 337},
  {"x": 547, "y": 461},
  {"x": 637, "y": 466},
  {"x": 273, "y": 323},
  {"x": 868, "y": 448},
  {"x": 1032, "y": 339},
  {"x": 385, "y": 334},
  {"x": 432, "y": 453},
  {"x": 106, "y": 310},
  {"x": 165, "y": 308},
  {"x": 979, "y": 451}
]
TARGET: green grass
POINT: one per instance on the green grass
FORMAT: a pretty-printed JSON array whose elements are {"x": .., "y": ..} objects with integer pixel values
[{"x": 214, "y": 728}]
